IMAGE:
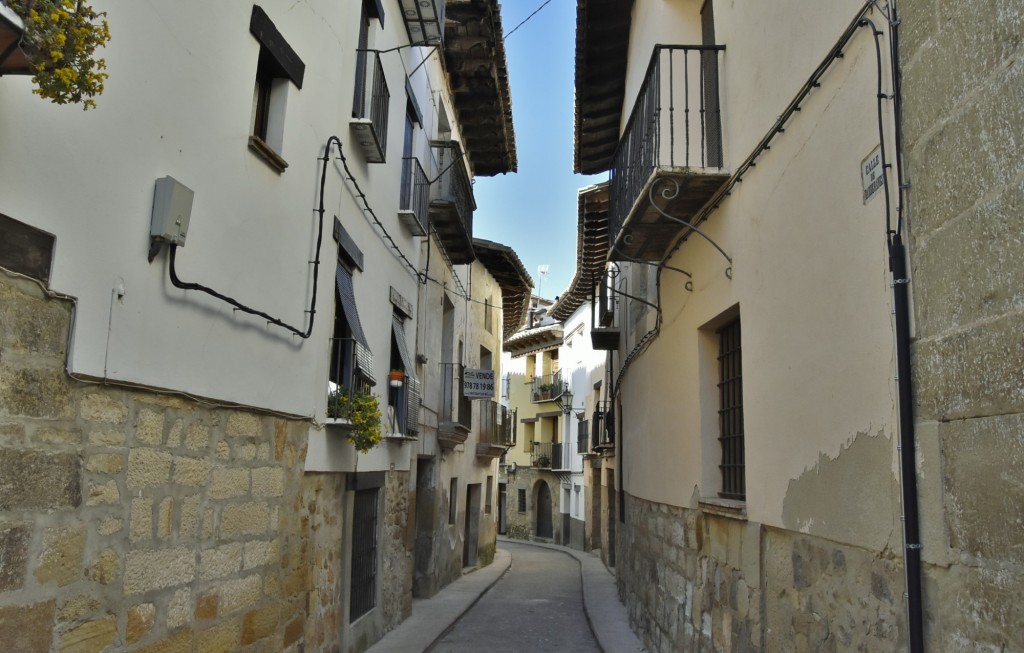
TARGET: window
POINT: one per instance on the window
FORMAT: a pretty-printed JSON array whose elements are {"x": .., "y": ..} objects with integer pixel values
[
  {"x": 371, "y": 98},
  {"x": 363, "y": 575},
  {"x": 415, "y": 189},
  {"x": 522, "y": 500},
  {"x": 529, "y": 434},
  {"x": 453, "y": 500},
  {"x": 730, "y": 411},
  {"x": 351, "y": 365},
  {"x": 489, "y": 495},
  {"x": 488, "y": 320},
  {"x": 278, "y": 65},
  {"x": 403, "y": 399},
  {"x": 486, "y": 359}
]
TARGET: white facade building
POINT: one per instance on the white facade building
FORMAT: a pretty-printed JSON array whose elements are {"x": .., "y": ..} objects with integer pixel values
[{"x": 313, "y": 166}]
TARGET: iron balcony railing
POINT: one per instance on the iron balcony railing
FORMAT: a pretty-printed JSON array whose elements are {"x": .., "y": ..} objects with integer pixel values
[
  {"x": 603, "y": 426},
  {"x": 497, "y": 424},
  {"x": 675, "y": 122},
  {"x": 549, "y": 455},
  {"x": 415, "y": 196},
  {"x": 452, "y": 184},
  {"x": 604, "y": 332},
  {"x": 371, "y": 103},
  {"x": 547, "y": 387},
  {"x": 455, "y": 406}
]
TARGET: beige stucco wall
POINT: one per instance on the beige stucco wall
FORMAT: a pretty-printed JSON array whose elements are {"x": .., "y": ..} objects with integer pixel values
[{"x": 809, "y": 278}]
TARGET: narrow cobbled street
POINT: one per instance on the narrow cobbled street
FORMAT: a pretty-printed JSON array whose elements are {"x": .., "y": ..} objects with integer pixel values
[{"x": 536, "y": 606}]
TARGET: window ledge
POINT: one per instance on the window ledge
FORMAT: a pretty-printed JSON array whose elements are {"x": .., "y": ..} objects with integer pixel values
[
  {"x": 724, "y": 507},
  {"x": 267, "y": 153}
]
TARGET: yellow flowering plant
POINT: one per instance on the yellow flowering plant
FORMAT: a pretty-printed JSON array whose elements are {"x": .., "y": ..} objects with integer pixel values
[
  {"x": 362, "y": 410},
  {"x": 61, "y": 39}
]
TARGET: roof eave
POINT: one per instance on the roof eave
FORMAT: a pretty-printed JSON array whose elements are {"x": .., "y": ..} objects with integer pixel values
[{"x": 602, "y": 46}]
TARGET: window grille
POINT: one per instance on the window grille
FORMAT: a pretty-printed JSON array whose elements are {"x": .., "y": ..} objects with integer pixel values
[
  {"x": 730, "y": 412},
  {"x": 522, "y": 500},
  {"x": 363, "y": 584}
]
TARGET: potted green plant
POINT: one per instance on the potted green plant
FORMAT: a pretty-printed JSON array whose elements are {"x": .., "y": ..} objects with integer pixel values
[
  {"x": 545, "y": 390},
  {"x": 543, "y": 461},
  {"x": 60, "y": 43},
  {"x": 361, "y": 411}
]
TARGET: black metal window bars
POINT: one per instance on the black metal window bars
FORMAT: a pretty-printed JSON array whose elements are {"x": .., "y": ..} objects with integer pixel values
[{"x": 730, "y": 412}]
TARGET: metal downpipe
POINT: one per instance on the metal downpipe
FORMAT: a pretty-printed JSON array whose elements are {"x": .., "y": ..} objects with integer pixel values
[{"x": 907, "y": 447}]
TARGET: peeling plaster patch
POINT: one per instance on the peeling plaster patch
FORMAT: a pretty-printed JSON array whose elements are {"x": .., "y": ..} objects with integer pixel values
[{"x": 850, "y": 498}]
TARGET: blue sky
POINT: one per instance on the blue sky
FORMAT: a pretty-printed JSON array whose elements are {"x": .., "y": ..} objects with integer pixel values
[{"x": 534, "y": 211}]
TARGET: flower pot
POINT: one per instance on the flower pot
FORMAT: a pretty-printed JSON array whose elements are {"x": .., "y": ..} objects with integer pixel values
[{"x": 396, "y": 378}]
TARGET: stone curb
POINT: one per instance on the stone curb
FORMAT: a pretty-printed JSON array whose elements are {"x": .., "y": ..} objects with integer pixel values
[
  {"x": 431, "y": 618},
  {"x": 605, "y": 612}
]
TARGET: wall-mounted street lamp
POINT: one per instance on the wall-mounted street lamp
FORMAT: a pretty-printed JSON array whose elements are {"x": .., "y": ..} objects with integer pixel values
[{"x": 564, "y": 401}]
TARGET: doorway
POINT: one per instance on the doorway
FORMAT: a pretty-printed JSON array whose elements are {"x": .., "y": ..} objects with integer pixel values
[
  {"x": 502, "y": 508},
  {"x": 471, "y": 539},
  {"x": 610, "y": 516},
  {"x": 544, "y": 525}
]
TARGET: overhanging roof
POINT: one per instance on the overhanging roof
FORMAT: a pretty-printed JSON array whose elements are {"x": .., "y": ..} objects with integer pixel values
[
  {"x": 474, "y": 54},
  {"x": 515, "y": 282},
  {"x": 602, "y": 44},
  {"x": 591, "y": 250},
  {"x": 528, "y": 341}
]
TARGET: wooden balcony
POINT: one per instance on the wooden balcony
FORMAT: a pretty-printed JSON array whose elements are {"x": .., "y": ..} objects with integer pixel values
[
  {"x": 497, "y": 430},
  {"x": 455, "y": 418}
]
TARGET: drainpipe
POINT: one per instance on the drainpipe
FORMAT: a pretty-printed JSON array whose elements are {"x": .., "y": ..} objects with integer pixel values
[
  {"x": 620, "y": 447},
  {"x": 901, "y": 309},
  {"x": 907, "y": 448}
]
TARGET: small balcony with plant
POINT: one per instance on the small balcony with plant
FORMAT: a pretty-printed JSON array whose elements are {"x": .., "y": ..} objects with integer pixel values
[
  {"x": 550, "y": 455},
  {"x": 669, "y": 160},
  {"x": 497, "y": 429},
  {"x": 452, "y": 203},
  {"x": 352, "y": 405},
  {"x": 547, "y": 387},
  {"x": 456, "y": 412},
  {"x": 369, "y": 123}
]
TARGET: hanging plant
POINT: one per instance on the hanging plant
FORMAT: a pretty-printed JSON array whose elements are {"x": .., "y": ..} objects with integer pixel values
[
  {"x": 362, "y": 410},
  {"x": 61, "y": 39}
]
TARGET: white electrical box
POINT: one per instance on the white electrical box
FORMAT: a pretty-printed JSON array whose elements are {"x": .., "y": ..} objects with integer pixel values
[{"x": 172, "y": 207}]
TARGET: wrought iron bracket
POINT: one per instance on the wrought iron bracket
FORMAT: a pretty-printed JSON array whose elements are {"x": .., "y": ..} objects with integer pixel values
[{"x": 670, "y": 194}]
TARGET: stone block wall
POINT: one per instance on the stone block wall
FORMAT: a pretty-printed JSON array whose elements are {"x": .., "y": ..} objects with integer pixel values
[
  {"x": 963, "y": 86},
  {"x": 396, "y": 575},
  {"x": 142, "y": 522},
  {"x": 522, "y": 525},
  {"x": 698, "y": 581}
]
